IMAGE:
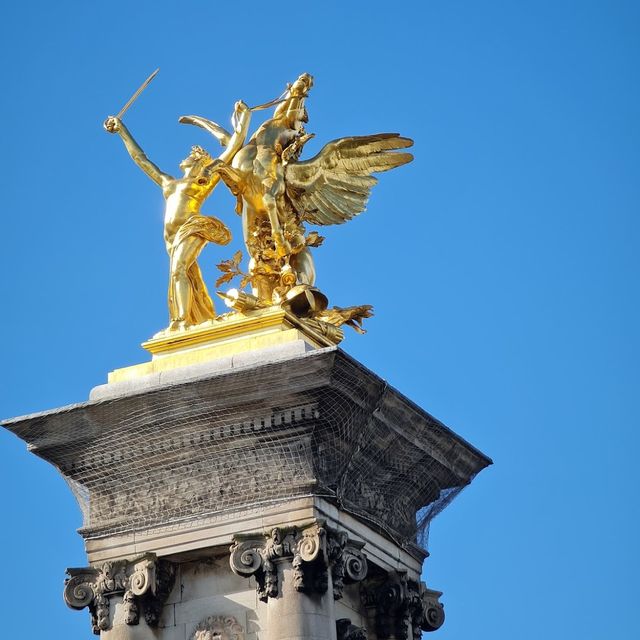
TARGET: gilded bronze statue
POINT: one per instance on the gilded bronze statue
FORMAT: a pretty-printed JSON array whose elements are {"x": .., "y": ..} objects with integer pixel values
[{"x": 277, "y": 196}]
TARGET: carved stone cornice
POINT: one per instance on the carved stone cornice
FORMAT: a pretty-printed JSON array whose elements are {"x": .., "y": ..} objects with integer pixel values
[
  {"x": 144, "y": 582},
  {"x": 403, "y": 606},
  {"x": 313, "y": 551},
  {"x": 320, "y": 425}
]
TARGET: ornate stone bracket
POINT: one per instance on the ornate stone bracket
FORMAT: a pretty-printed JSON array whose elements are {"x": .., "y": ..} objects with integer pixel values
[
  {"x": 313, "y": 551},
  {"x": 403, "y": 606},
  {"x": 144, "y": 582}
]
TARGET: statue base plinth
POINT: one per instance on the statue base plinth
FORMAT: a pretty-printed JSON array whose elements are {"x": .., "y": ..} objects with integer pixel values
[{"x": 225, "y": 336}]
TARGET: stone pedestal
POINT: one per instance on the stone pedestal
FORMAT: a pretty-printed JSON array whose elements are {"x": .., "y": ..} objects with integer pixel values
[{"x": 280, "y": 493}]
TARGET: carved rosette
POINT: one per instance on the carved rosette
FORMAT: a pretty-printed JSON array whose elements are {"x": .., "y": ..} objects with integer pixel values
[
  {"x": 403, "y": 607},
  {"x": 144, "y": 583},
  {"x": 218, "y": 628},
  {"x": 314, "y": 552}
]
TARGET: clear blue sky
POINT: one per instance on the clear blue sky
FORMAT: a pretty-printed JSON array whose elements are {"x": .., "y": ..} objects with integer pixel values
[{"x": 502, "y": 263}]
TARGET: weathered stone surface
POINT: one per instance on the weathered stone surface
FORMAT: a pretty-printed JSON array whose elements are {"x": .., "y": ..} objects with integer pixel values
[{"x": 314, "y": 424}]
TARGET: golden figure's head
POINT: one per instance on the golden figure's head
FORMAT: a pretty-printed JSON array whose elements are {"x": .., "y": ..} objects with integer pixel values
[
  {"x": 301, "y": 87},
  {"x": 196, "y": 160},
  {"x": 291, "y": 110}
]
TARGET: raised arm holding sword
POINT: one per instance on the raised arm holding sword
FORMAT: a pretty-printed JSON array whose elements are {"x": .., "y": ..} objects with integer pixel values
[{"x": 186, "y": 230}]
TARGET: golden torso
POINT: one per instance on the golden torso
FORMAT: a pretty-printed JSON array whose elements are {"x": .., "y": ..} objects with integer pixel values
[
  {"x": 259, "y": 162},
  {"x": 184, "y": 197}
]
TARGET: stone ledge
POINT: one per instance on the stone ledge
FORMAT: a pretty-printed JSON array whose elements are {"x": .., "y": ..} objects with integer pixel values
[{"x": 192, "y": 372}]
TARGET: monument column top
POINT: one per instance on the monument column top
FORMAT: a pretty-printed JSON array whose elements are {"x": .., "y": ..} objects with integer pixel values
[{"x": 313, "y": 424}]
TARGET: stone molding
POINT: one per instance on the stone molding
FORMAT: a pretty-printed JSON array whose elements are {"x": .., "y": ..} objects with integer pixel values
[
  {"x": 313, "y": 551},
  {"x": 218, "y": 628},
  {"x": 402, "y": 606},
  {"x": 144, "y": 583}
]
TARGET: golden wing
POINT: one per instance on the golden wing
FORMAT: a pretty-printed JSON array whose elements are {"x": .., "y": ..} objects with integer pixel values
[{"x": 334, "y": 186}]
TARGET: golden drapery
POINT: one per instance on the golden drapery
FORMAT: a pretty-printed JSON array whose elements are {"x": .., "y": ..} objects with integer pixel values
[{"x": 210, "y": 229}]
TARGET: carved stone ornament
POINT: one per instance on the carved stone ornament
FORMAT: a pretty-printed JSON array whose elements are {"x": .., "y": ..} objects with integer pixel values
[
  {"x": 313, "y": 551},
  {"x": 347, "y": 631},
  {"x": 144, "y": 583},
  {"x": 218, "y": 628},
  {"x": 403, "y": 607}
]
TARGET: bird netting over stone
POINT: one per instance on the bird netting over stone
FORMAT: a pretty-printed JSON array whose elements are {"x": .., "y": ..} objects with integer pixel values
[{"x": 314, "y": 425}]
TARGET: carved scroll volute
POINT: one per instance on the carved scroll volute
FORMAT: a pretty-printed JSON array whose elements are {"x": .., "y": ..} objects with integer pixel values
[
  {"x": 143, "y": 577},
  {"x": 348, "y": 563},
  {"x": 311, "y": 561},
  {"x": 355, "y": 563},
  {"x": 253, "y": 557},
  {"x": 311, "y": 545},
  {"x": 79, "y": 588},
  {"x": 246, "y": 557},
  {"x": 432, "y": 617},
  {"x": 84, "y": 589}
]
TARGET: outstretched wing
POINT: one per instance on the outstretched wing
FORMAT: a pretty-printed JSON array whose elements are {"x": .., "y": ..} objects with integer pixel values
[{"x": 334, "y": 186}]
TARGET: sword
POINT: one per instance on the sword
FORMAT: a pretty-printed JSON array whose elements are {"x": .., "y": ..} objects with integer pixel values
[{"x": 134, "y": 97}]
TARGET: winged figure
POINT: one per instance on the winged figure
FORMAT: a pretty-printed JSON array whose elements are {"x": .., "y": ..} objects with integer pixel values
[{"x": 278, "y": 194}]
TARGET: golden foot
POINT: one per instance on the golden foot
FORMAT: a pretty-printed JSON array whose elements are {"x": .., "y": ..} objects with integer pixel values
[{"x": 177, "y": 325}]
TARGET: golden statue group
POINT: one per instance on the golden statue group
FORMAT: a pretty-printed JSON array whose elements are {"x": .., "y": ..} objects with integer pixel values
[{"x": 276, "y": 195}]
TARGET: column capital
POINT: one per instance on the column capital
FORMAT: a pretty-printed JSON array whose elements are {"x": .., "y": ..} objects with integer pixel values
[
  {"x": 143, "y": 582},
  {"x": 403, "y": 607},
  {"x": 313, "y": 550}
]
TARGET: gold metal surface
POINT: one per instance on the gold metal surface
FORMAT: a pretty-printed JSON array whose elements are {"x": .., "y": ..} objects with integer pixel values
[
  {"x": 226, "y": 336},
  {"x": 277, "y": 196},
  {"x": 229, "y": 328},
  {"x": 189, "y": 357}
]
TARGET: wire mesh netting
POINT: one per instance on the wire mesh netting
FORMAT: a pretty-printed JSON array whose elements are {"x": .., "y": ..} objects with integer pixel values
[{"x": 318, "y": 425}]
